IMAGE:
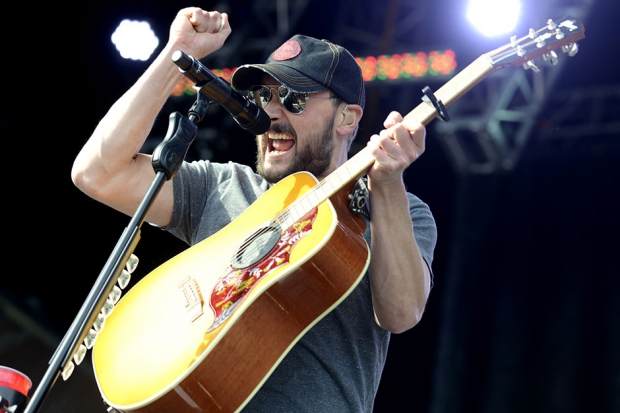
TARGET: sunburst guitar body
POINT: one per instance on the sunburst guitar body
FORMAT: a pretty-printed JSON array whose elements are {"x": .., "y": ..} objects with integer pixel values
[{"x": 204, "y": 330}]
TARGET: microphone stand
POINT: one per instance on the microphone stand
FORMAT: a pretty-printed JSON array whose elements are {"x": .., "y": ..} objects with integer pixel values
[{"x": 167, "y": 158}]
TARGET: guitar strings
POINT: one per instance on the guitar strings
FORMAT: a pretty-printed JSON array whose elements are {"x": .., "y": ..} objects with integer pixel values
[{"x": 285, "y": 219}]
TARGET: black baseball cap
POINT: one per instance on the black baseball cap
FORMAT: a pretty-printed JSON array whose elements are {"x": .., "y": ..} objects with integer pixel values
[{"x": 308, "y": 65}]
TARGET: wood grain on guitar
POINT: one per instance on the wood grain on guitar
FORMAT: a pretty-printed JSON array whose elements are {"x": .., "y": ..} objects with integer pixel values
[{"x": 172, "y": 345}]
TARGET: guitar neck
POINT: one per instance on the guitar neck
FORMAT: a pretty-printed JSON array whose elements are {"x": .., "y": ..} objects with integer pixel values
[
  {"x": 450, "y": 92},
  {"x": 358, "y": 164},
  {"x": 560, "y": 34},
  {"x": 423, "y": 113}
]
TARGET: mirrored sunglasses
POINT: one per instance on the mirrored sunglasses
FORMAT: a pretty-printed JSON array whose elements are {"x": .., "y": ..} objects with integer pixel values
[{"x": 294, "y": 102}]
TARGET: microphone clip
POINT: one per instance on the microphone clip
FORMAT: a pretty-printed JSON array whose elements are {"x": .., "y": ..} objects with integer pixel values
[{"x": 200, "y": 107}]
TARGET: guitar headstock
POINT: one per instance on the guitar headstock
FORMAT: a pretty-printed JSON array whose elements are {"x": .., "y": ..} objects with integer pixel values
[{"x": 559, "y": 34}]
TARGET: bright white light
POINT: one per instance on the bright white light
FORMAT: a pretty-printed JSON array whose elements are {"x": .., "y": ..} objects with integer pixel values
[
  {"x": 494, "y": 17},
  {"x": 135, "y": 40}
]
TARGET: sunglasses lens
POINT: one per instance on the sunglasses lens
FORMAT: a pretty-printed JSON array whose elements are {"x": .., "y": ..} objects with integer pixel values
[
  {"x": 292, "y": 101},
  {"x": 260, "y": 95}
]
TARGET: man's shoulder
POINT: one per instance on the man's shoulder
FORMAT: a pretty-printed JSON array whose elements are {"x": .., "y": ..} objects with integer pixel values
[{"x": 223, "y": 170}]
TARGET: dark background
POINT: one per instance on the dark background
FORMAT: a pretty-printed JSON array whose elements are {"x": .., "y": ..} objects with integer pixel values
[{"x": 524, "y": 315}]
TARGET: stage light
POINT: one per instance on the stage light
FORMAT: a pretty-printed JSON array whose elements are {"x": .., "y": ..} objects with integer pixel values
[
  {"x": 135, "y": 40},
  {"x": 494, "y": 17}
]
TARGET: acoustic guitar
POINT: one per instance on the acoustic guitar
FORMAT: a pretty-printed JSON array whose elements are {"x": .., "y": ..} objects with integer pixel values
[{"x": 203, "y": 331}]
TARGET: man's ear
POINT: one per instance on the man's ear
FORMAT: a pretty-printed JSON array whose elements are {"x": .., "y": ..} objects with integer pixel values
[{"x": 349, "y": 118}]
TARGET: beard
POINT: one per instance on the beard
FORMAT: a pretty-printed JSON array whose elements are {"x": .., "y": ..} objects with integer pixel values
[{"x": 315, "y": 157}]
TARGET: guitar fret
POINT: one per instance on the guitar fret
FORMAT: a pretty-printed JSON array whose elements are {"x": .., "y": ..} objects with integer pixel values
[
  {"x": 465, "y": 80},
  {"x": 284, "y": 218},
  {"x": 306, "y": 203}
]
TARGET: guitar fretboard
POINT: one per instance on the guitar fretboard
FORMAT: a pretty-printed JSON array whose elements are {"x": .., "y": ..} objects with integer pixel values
[{"x": 358, "y": 164}]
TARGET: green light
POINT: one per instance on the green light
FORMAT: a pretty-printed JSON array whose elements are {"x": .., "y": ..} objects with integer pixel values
[{"x": 385, "y": 68}]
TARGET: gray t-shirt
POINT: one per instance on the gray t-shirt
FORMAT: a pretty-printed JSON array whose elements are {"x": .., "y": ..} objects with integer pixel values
[{"x": 336, "y": 366}]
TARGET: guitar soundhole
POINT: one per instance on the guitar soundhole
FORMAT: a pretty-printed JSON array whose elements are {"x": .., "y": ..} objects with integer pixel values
[{"x": 257, "y": 246}]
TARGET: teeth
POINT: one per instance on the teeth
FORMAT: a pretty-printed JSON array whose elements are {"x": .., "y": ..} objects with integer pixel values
[
  {"x": 284, "y": 137},
  {"x": 278, "y": 137}
]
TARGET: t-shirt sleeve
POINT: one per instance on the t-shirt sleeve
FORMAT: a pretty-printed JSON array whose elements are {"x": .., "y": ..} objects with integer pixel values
[
  {"x": 424, "y": 227},
  {"x": 190, "y": 186}
]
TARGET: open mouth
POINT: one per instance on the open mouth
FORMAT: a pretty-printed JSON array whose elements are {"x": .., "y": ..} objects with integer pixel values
[{"x": 280, "y": 143}]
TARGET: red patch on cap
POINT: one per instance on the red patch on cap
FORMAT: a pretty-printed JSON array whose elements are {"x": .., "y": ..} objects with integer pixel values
[{"x": 288, "y": 50}]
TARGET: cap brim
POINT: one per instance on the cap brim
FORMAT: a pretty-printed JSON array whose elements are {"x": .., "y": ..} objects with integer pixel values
[{"x": 247, "y": 76}]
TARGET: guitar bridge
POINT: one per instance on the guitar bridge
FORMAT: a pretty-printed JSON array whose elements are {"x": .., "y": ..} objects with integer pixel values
[{"x": 192, "y": 299}]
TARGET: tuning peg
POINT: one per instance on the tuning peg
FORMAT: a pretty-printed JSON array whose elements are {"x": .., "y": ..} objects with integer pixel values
[
  {"x": 540, "y": 42},
  {"x": 530, "y": 65},
  {"x": 513, "y": 40},
  {"x": 551, "y": 25},
  {"x": 551, "y": 57},
  {"x": 571, "y": 49}
]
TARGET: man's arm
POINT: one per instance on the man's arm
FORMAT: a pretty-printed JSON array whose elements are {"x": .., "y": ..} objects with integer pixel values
[
  {"x": 109, "y": 168},
  {"x": 400, "y": 279}
]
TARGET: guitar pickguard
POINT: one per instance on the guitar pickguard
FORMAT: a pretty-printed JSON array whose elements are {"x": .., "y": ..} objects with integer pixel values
[{"x": 236, "y": 283}]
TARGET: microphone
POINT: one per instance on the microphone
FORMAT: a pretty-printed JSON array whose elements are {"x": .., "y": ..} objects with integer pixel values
[{"x": 248, "y": 115}]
